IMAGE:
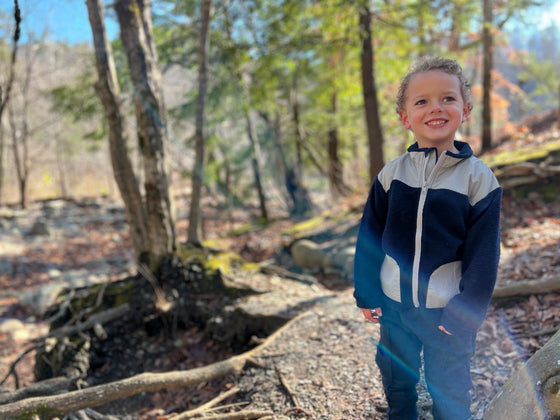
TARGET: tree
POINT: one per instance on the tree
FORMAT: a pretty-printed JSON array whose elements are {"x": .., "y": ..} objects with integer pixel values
[
  {"x": 195, "y": 217},
  {"x": 487, "y": 44},
  {"x": 137, "y": 38},
  {"x": 108, "y": 90},
  {"x": 20, "y": 128},
  {"x": 5, "y": 96},
  {"x": 371, "y": 107}
]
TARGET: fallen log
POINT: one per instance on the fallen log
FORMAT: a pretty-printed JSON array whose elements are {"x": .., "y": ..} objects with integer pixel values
[
  {"x": 42, "y": 388},
  {"x": 534, "y": 391},
  {"x": 59, "y": 405},
  {"x": 530, "y": 287}
]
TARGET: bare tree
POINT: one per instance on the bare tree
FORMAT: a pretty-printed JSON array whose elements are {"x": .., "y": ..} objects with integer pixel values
[
  {"x": 137, "y": 38},
  {"x": 107, "y": 89},
  {"x": 195, "y": 216},
  {"x": 5, "y": 96},
  {"x": 20, "y": 130}
]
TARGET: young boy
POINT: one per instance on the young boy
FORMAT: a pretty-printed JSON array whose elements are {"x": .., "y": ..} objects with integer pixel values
[{"x": 428, "y": 248}]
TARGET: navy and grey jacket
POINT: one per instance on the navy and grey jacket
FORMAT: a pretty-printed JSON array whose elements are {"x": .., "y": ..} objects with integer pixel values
[{"x": 430, "y": 236}]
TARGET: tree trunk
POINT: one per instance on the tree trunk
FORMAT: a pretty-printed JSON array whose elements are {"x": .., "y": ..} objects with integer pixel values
[
  {"x": 338, "y": 188},
  {"x": 5, "y": 95},
  {"x": 195, "y": 215},
  {"x": 255, "y": 155},
  {"x": 533, "y": 392},
  {"x": 371, "y": 106},
  {"x": 136, "y": 36},
  {"x": 487, "y": 75},
  {"x": 300, "y": 202},
  {"x": 107, "y": 89},
  {"x": 20, "y": 140}
]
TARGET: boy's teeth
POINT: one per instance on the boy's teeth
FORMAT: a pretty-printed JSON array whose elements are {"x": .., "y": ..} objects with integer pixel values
[{"x": 436, "y": 122}]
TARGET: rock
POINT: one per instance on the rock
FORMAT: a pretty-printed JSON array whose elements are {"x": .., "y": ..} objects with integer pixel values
[
  {"x": 15, "y": 329},
  {"x": 39, "y": 229},
  {"x": 344, "y": 259},
  {"x": 6, "y": 213},
  {"x": 6, "y": 268},
  {"x": 41, "y": 299},
  {"x": 307, "y": 254}
]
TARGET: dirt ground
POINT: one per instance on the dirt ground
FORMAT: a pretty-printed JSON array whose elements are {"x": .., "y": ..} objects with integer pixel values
[{"x": 323, "y": 366}]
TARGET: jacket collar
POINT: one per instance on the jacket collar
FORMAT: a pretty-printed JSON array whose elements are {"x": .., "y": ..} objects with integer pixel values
[{"x": 464, "y": 149}]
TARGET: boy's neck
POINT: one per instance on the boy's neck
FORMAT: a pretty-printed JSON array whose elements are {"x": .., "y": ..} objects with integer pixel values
[{"x": 441, "y": 149}]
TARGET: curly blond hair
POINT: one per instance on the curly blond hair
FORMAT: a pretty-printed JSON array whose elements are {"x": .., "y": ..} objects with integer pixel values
[{"x": 425, "y": 64}]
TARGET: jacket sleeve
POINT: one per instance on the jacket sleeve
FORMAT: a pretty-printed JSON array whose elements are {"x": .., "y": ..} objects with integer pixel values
[
  {"x": 481, "y": 255},
  {"x": 369, "y": 254}
]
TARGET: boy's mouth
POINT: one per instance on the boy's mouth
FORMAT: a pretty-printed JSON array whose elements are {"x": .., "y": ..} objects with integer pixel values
[{"x": 436, "y": 123}]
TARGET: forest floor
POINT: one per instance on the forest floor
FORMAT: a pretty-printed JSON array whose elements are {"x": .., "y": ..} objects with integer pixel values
[{"x": 323, "y": 366}]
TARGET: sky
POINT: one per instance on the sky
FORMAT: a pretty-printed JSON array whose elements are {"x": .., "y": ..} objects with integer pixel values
[
  {"x": 62, "y": 20},
  {"x": 67, "y": 20}
]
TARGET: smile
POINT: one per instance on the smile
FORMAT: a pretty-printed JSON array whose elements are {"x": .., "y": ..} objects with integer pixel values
[{"x": 435, "y": 123}]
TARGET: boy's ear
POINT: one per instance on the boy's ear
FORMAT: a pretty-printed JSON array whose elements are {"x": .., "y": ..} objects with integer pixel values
[
  {"x": 404, "y": 119},
  {"x": 466, "y": 111}
]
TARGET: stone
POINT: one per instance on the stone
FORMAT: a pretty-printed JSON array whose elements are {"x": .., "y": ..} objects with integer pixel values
[
  {"x": 307, "y": 254},
  {"x": 39, "y": 229}
]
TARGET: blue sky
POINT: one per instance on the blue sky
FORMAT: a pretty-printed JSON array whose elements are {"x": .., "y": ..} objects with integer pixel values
[
  {"x": 63, "y": 20},
  {"x": 67, "y": 20}
]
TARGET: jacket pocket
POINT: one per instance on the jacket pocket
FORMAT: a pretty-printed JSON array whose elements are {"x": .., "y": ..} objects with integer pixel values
[
  {"x": 443, "y": 285},
  {"x": 391, "y": 278}
]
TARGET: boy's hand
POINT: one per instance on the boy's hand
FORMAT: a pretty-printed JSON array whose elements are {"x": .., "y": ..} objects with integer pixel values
[
  {"x": 372, "y": 315},
  {"x": 442, "y": 328}
]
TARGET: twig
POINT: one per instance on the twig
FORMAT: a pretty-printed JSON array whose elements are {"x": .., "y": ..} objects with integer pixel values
[
  {"x": 87, "y": 311},
  {"x": 161, "y": 302},
  {"x": 292, "y": 395},
  {"x": 12, "y": 370},
  {"x": 240, "y": 415},
  {"x": 205, "y": 407},
  {"x": 100, "y": 318}
]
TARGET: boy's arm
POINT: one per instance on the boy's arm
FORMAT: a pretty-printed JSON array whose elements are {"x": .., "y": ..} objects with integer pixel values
[
  {"x": 369, "y": 254},
  {"x": 467, "y": 310}
]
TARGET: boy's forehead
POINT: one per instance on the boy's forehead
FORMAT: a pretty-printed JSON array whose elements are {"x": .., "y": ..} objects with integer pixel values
[{"x": 434, "y": 80}]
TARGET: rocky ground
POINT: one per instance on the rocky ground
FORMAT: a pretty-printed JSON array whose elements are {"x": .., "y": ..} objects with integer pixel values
[{"x": 322, "y": 367}]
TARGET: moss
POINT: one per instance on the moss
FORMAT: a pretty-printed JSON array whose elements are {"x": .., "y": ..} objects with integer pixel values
[
  {"x": 41, "y": 412},
  {"x": 528, "y": 154},
  {"x": 192, "y": 253},
  {"x": 221, "y": 261},
  {"x": 304, "y": 226}
]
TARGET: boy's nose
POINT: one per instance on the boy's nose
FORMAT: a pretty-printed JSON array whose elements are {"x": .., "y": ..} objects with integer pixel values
[{"x": 436, "y": 107}]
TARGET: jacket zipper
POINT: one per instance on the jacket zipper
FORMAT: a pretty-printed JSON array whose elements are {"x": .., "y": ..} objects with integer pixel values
[{"x": 419, "y": 219}]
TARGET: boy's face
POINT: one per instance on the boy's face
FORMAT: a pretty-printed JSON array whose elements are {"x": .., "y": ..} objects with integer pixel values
[{"x": 434, "y": 109}]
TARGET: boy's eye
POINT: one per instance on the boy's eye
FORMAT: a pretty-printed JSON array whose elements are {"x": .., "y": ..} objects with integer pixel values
[
  {"x": 420, "y": 102},
  {"x": 449, "y": 99}
]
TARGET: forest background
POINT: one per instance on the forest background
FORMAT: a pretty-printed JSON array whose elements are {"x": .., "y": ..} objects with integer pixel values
[
  {"x": 292, "y": 66},
  {"x": 274, "y": 108}
]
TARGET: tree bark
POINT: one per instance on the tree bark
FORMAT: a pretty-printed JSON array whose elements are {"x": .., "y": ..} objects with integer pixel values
[
  {"x": 5, "y": 95},
  {"x": 371, "y": 106},
  {"x": 136, "y": 36},
  {"x": 487, "y": 75},
  {"x": 533, "y": 392},
  {"x": 338, "y": 187},
  {"x": 107, "y": 89},
  {"x": 526, "y": 288},
  {"x": 301, "y": 203},
  {"x": 195, "y": 216}
]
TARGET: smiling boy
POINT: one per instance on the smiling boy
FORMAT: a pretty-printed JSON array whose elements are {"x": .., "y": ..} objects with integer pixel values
[{"x": 428, "y": 248}]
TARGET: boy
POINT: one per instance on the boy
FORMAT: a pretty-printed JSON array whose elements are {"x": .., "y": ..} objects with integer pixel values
[{"x": 428, "y": 248}]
